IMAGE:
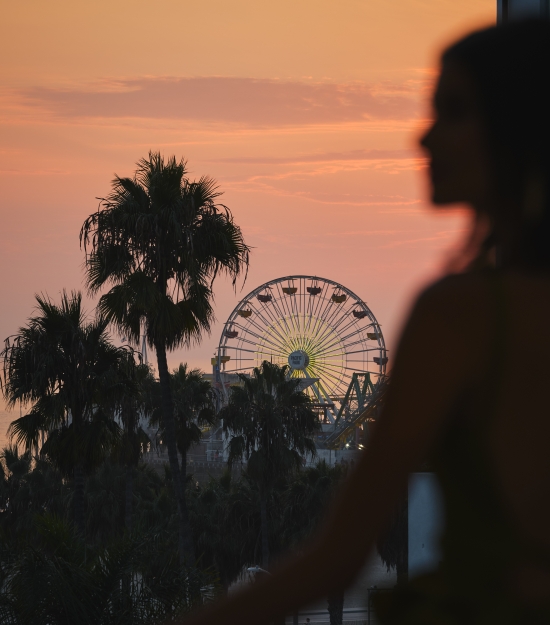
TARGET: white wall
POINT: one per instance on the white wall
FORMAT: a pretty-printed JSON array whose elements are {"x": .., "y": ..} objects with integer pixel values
[{"x": 425, "y": 522}]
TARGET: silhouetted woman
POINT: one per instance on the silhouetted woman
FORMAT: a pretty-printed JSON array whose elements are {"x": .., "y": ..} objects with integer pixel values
[{"x": 479, "y": 343}]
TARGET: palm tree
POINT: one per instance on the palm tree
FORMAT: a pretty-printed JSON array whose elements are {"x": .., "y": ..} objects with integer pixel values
[
  {"x": 306, "y": 499},
  {"x": 28, "y": 486},
  {"x": 135, "y": 404},
  {"x": 63, "y": 367},
  {"x": 158, "y": 241},
  {"x": 305, "y": 503},
  {"x": 193, "y": 407},
  {"x": 225, "y": 516},
  {"x": 271, "y": 424}
]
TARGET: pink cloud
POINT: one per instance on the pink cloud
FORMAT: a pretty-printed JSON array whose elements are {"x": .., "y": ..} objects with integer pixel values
[
  {"x": 324, "y": 157},
  {"x": 247, "y": 101}
]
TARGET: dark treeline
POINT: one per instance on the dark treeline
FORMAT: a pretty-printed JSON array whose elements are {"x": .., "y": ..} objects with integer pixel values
[{"x": 51, "y": 574}]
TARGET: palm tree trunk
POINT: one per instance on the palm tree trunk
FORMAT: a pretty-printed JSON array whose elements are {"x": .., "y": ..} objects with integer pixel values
[
  {"x": 78, "y": 499},
  {"x": 186, "y": 548},
  {"x": 183, "y": 474},
  {"x": 265, "y": 542},
  {"x": 129, "y": 496}
]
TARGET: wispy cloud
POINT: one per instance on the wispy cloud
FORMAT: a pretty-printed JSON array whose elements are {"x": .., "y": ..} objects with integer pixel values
[
  {"x": 324, "y": 157},
  {"x": 245, "y": 101}
]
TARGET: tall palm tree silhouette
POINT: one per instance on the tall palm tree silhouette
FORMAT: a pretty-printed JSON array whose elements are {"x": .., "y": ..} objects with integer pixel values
[{"x": 159, "y": 240}]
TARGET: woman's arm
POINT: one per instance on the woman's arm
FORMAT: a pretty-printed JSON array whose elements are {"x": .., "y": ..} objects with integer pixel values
[{"x": 431, "y": 366}]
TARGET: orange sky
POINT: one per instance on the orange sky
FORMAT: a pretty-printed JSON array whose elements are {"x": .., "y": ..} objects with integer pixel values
[{"x": 306, "y": 113}]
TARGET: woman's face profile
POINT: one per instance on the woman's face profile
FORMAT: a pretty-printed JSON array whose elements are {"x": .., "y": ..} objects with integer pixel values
[{"x": 456, "y": 142}]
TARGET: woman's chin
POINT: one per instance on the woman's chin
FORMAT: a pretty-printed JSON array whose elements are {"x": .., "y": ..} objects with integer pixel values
[{"x": 444, "y": 197}]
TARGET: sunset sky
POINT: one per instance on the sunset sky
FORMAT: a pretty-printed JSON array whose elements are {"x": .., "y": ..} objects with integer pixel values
[{"x": 305, "y": 112}]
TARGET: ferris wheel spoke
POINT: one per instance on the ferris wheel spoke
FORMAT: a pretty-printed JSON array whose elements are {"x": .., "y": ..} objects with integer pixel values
[
  {"x": 335, "y": 352},
  {"x": 323, "y": 311},
  {"x": 330, "y": 372},
  {"x": 316, "y": 307},
  {"x": 249, "y": 332},
  {"x": 342, "y": 316},
  {"x": 328, "y": 330},
  {"x": 285, "y": 317},
  {"x": 346, "y": 346},
  {"x": 264, "y": 314},
  {"x": 314, "y": 334},
  {"x": 314, "y": 302},
  {"x": 279, "y": 296},
  {"x": 325, "y": 334},
  {"x": 280, "y": 316},
  {"x": 285, "y": 302},
  {"x": 368, "y": 350},
  {"x": 326, "y": 354},
  {"x": 312, "y": 312},
  {"x": 366, "y": 362},
  {"x": 271, "y": 325},
  {"x": 265, "y": 349},
  {"x": 271, "y": 339},
  {"x": 320, "y": 331},
  {"x": 342, "y": 339},
  {"x": 257, "y": 314},
  {"x": 296, "y": 309},
  {"x": 262, "y": 337},
  {"x": 355, "y": 370},
  {"x": 328, "y": 339},
  {"x": 318, "y": 311},
  {"x": 253, "y": 323},
  {"x": 337, "y": 318},
  {"x": 243, "y": 349},
  {"x": 351, "y": 323},
  {"x": 335, "y": 362},
  {"x": 333, "y": 368},
  {"x": 367, "y": 346},
  {"x": 276, "y": 321},
  {"x": 321, "y": 386},
  {"x": 355, "y": 332},
  {"x": 324, "y": 351},
  {"x": 243, "y": 340},
  {"x": 293, "y": 322},
  {"x": 331, "y": 377},
  {"x": 333, "y": 310},
  {"x": 374, "y": 348}
]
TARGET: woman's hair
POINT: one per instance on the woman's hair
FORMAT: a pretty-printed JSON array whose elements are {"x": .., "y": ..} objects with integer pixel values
[{"x": 510, "y": 67}]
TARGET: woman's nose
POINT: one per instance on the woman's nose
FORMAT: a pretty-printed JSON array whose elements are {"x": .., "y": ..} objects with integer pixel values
[{"x": 426, "y": 139}]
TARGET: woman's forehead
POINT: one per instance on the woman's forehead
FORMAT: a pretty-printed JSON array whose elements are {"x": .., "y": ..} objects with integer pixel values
[{"x": 454, "y": 82}]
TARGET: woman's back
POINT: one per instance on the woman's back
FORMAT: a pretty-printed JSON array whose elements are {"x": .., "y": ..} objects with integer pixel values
[
  {"x": 490, "y": 454},
  {"x": 505, "y": 319},
  {"x": 519, "y": 431}
]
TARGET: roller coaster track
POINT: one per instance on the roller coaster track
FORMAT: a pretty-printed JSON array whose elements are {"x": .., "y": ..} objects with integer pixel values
[{"x": 367, "y": 410}]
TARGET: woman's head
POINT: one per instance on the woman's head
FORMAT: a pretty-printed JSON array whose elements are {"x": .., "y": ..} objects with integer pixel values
[{"x": 490, "y": 141}]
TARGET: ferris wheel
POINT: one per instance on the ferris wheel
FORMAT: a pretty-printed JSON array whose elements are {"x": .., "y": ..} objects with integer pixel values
[{"x": 319, "y": 328}]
